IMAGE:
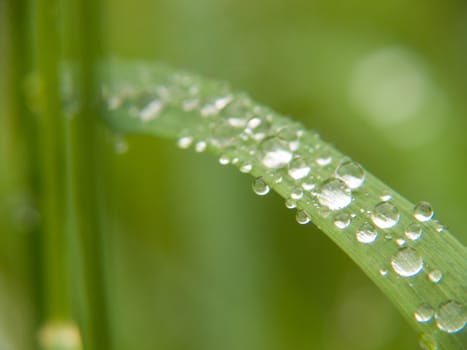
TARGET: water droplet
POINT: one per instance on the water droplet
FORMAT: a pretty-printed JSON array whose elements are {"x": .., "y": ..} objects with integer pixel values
[
  {"x": 334, "y": 194},
  {"x": 184, "y": 142},
  {"x": 151, "y": 110},
  {"x": 439, "y": 227},
  {"x": 224, "y": 160},
  {"x": 274, "y": 153},
  {"x": 423, "y": 211},
  {"x": 246, "y": 167},
  {"x": 401, "y": 242},
  {"x": 435, "y": 276},
  {"x": 298, "y": 168},
  {"x": 413, "y": 232},
  {"x": 407, "y": 263},
  {"x": 302, "y": 217},
  {"x": 385, "y": 197},
  {"x": 214, "y": 107},
  {"x": 296, "y": 194},
  {"x": 260, "y": 187},
  {"x": 424, "y": 313},
  {"x": 385, "y": 215},
  {"x": 308, "y": 184},
  {"x": 200, "y": 146},
  {"x": 324, "y": 160},
  {"x": 351, "y": 173},
  {"x": 190, "y": 104},
  {"x": 451, "y": 317},
  {"x": 367, "y": 233},
  {"x": 258, "y": 128},
  {"x": 428, "y": 342},
  {"x": 222, "y": 134},
  {"x": 290, "y": 203},
  {"x": 342, "y": 221},
  {"x": 384, "y": 272}
]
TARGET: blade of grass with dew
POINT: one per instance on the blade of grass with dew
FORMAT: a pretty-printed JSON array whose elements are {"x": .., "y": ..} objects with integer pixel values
[{"x": 412, "y": 258}]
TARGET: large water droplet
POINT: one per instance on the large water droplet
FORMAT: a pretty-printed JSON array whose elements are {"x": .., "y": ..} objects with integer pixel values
[
  {"x": 407, "y": 263},
  {"x": 351, "y": 173},
  {"x": 367, "y": 233},
  {"x": 260, "y": 187},
  {"x": 413, "y": 232},
  {"x": 274, "y": 153},
  {"x": 302, "y": 217},
  {"x": 435, "y": 276},
  {"x": 385, "y": 215},
  {"x": 298, "y": 168},
  {"x": 424, "y": 313},
  {"x": 423, "y": 211},
  {"x": 342, "y": 221},
  {"x": 334, "y": 194},
  {"x": 451, "y": 317}
]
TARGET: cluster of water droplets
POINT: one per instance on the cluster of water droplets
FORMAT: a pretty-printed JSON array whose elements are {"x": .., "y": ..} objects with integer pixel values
[{"x": 280, "y": 153}]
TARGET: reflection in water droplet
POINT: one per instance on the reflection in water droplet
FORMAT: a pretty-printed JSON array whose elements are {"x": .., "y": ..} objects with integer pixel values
[
  {"x": 413, "y": 232},
  {"x": 342, "y": 220},
  {"x": 302, "y": 217},
  {"x": 424, "y": 313},
  {"x": 367, "y": 233},
  {"x": 435, "y": 276},
  {"x": 274, "y": 153},
  {"x": 451, "y": 317},
  {"x": 385, "y": 197},
  {"x": 384, "y": 272},
  {"x": 401, "y": 242},
  {"x": 334, "y": 194},
  {"x": 385, "y": 215},
  {"x": 260, "y": 187},
  {"x": 407, "y": 263},
  {"x": 298, "y": 168},
  {"x": 351, "y": 173},
  {"x": 423, "y": 212}
]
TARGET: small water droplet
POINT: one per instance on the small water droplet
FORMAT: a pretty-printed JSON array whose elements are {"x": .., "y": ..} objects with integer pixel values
[
  {"x": 407, "y": 262},
  {"x": 351, "y": 173},
  {"x": 151, "y": 110},
  {"x": 297, "y": 194},
  {"x": 260, "y": 187},
  {"x": 184, "y": 142},
  {"x": 290, "y": 203},
  {"x": 200, "y": 146},
  {"x": 298, "y": 168},
  {"x": 385, "y": 197},
  {"x": 246, "y": 167},
  {"x": 424, "y": 313},
  {"x": 302, "y": 217},
  {"x": 224, "y": 160},
  {"x": 385, "y": 215},
  {"x": 423, "y": 211},
  {"x": 324, "y": 160},
  {"x": 222, "y": 134},
  {"x": 258, "y": 128},
  {"x": 274, "y": 153},
  {"x": 439, "y": 227},
  {"x": 342, "y": 221},
  {"x": 451, "y": 317},
  {"x": 435, "y": 276},
  {"x": 401, "y": 242},
  {"x": 384, "y": 272},
  {"x": 414, "y": 232},
  {"x": 367, "y": 233},
  {"x": 428, "y": 342},
  {"x": 334, "y": 194}
]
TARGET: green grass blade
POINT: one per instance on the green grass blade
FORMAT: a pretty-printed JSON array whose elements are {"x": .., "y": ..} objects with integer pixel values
[{"x": 371, "y": 222}]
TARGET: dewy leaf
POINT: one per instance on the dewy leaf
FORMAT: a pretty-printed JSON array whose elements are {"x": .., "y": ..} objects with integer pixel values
[{"x": 412, "y": 258}]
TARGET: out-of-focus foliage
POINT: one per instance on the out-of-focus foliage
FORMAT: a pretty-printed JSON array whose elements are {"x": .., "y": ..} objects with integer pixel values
[{"x": 195, "y": 260}]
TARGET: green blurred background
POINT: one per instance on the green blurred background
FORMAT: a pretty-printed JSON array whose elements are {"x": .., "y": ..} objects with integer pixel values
[{"x": 194, "y": 259}]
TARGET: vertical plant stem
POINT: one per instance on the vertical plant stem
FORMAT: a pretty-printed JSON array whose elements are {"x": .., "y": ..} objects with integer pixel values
[
  {"x": 84, "y": 199},
  {"x": 50, "y": 128}
]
